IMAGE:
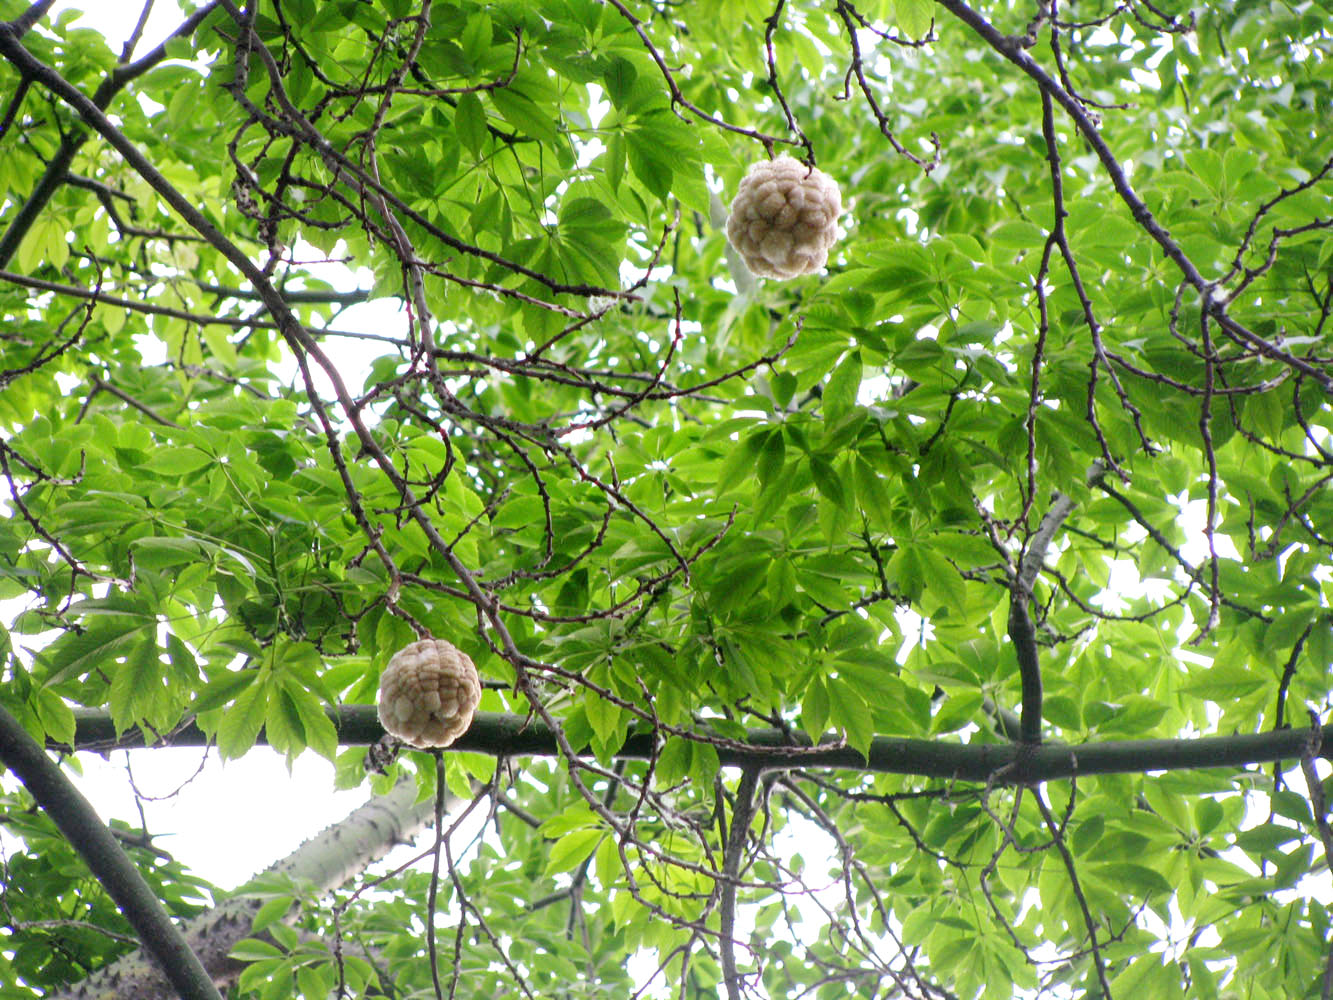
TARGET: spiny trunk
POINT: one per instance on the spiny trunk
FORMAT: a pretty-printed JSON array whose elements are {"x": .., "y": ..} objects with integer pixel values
[{"x": 325, "y": 861}]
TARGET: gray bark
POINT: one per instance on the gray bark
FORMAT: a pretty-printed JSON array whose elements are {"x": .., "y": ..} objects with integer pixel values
[{"x": 326, "y": 861}]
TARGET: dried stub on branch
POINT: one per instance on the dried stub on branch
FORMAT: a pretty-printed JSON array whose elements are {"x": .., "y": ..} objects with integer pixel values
[
  {"x": 428, "y": 693},
  {"x": 784, "y": 218}
]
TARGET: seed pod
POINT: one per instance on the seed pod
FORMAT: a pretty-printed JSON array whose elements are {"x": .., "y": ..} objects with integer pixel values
[
  {"x": 784, "y": 218},
  {"x": 428, "y": 693}
]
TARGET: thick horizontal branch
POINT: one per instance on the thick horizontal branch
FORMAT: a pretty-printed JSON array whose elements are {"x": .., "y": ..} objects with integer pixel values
[{"x": 771, "y": 749}]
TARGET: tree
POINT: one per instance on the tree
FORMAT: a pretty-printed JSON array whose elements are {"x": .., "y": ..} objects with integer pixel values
[{"x": 952, "y": 622}]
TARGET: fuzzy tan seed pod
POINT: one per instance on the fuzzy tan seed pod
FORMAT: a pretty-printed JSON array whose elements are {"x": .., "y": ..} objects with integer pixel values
[
  {"x": 428, "y": 693},
  {"x": 784, "y": 218}
]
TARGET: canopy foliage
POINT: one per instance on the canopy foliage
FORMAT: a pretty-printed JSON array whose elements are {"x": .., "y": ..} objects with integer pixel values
[{"x": 1042, "y": 457}]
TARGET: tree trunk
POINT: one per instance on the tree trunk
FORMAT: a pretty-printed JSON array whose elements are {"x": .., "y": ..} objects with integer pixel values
[{"x": 327, "y": 861}]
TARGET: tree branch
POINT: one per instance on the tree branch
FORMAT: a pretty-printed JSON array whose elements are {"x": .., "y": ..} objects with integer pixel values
[
  {"x": 1018, "y": 55},
  {"x": 202, "y": 319},
  {"x": 325, "y": 861},
  {"x": 1075, "y": 883},
  {"x": 499, "y": 734},
  {"x": 57, "y": 168},
  {"x": 1021, "y": 630},
  {"x": 741, "y": 814},
  {"x": 88, "y": 835},
  {"x": 1315, "y": 740},
  {"x": 1214, "y": 305},
  {"x": 24, "y": 23}
]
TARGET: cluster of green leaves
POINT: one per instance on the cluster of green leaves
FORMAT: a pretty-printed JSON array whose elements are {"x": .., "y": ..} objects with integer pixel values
[{"x": 192, "y": 539}]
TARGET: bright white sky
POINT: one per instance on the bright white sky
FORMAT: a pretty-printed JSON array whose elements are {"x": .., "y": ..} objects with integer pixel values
[{"x": 115, "y": 19}]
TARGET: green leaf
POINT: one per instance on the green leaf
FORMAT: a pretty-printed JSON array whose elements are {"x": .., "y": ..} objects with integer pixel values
[
  {"x": 843, "y": 385},
  {"x": 272, "y": 911},
  {"x": 907, "y": 572},
  {"x": 1265, "y": 838},
  {"x": 781, "y": 586},
  {"x": 161, "y": 552},
  {"x": 282, "y": 723},
  {"x": 573, "y": 818},
  {"x": 619, "y": 77},
  {"x": 178, "y": 461},
  {"x": 913, "y": 16},
  {"x": 1141, "y": 880},
  {"x": 320, "y": 733},
  {"x": 606, "y": 719},
  {"x": 615, "y": 158},
  {"x": 1017, "y": 234},
  {"x": 253, "y": 950},
  {"x": 673, "y": 763},
  {"x": 470, "y": 123},
  {"x": 315, "y": 980},
  {"x": 242, "y": 721},
  {"x": 828, "y": 482},
  {"x": 921, "y": 359},
  {"x": 772, "y": 457},
  {"x": 56, "y": 717},
  {"x": 219, "y": 345},
  {"x": 943, "y": 580},
  {"x": 645, "y": 160},
  {"x": 73, "y": 655},
  {"x": 133, "y": 683},
  {"x": 1293, "y": 866},
  {"x": 815, "y": 708},
  {"x": 771, "y": 499},
  {"x": 528, "y": 118},
  {"x": 45, "y": 243},
  {"x": 476, "y": 38},
  {"x": 958, "y": 710},
  {"x": 583, "y": 213},
  {"x": 849, "y": 712},
  {"x": 223, "y": 689},
  {"x": 571, "y": 850},
  {"x": 739, "y": 461},
  {"x": 704, "y": 765},
  {"x": 872, "y": 495}
]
